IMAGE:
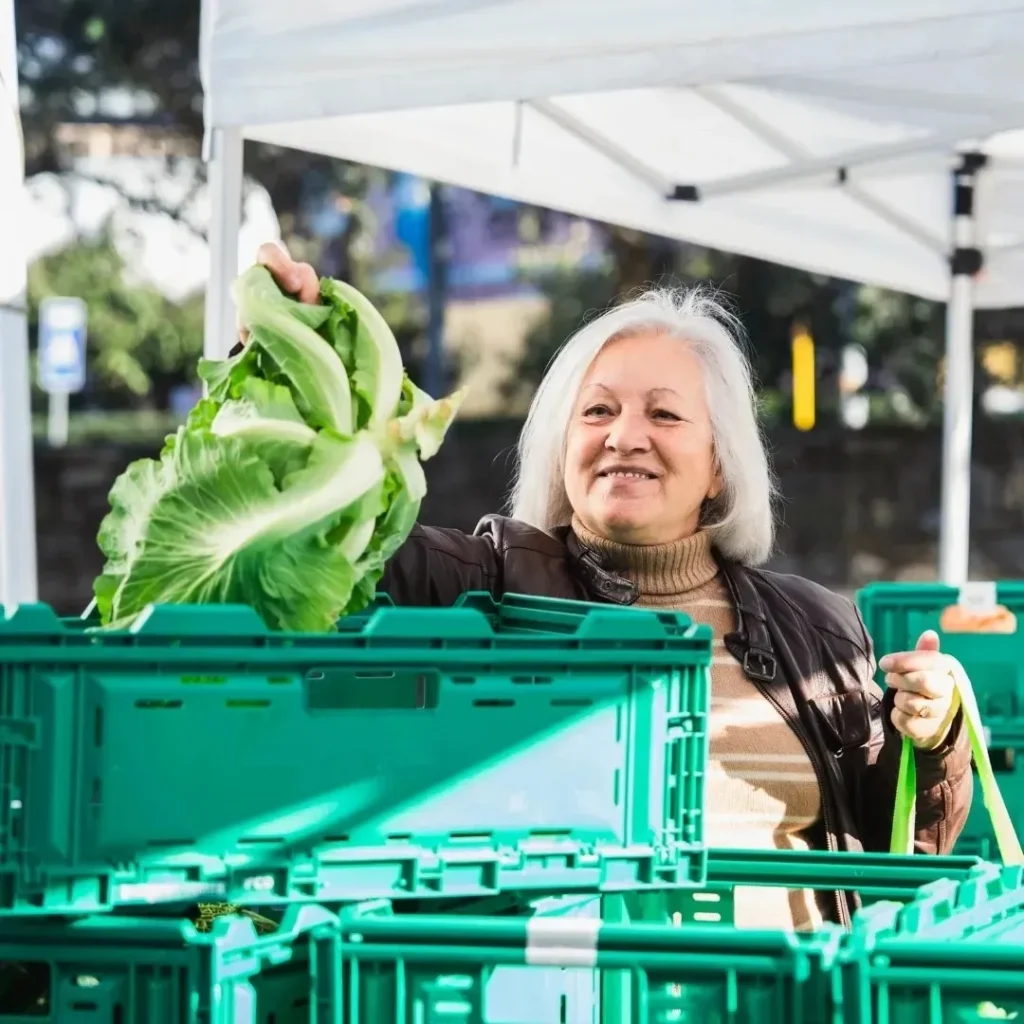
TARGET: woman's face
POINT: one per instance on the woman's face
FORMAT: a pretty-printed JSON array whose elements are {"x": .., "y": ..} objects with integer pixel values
[{"x": 639, "y": 459}]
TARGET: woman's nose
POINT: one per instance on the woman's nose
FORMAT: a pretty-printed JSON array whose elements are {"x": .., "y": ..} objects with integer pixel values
[{"x": 628, "y": 434}]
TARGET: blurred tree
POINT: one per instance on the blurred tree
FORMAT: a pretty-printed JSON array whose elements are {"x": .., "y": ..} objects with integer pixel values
[
  {"x": 574, "y": 299},
  {"x": 769, "y": 299},
  {"x": 137, "y": 62},
  {"x": 903, "y": 336},
  {"x": 141, "y": 344}
]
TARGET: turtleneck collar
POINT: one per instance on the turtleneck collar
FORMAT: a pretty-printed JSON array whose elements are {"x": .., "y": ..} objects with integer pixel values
[{"x": 661, "y": 570}]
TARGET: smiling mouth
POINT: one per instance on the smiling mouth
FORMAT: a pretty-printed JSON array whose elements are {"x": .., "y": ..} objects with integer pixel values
[{"x": 622, "y": 474}]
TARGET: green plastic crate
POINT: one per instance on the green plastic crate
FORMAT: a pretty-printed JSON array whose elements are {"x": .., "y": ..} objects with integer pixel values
[
  {"x": 575, "y": 994},
  {"x": 438, "y": 969},
  {"x": 897, "y": 613},
  {"x": 954, "y": 954},
  {"x": 113, "y": 970},
  {"x": 525, "y": 744},
  {"x": 874, "y": 876}
]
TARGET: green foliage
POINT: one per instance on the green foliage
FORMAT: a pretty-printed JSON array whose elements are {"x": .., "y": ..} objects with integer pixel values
[
  {"x": 905, "y": 338},
  {"x": 138, "y": 339},
  {"x": 574, "y": 298}
]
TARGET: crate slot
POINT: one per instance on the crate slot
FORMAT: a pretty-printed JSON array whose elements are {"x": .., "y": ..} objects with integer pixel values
[
  {"x": 155, "y": 704},
  {"x": 256, "y": 702},
  {"x": 494, "y": 702}
]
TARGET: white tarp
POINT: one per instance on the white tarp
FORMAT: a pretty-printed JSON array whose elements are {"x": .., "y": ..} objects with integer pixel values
[{"x": 753, "y": 107}]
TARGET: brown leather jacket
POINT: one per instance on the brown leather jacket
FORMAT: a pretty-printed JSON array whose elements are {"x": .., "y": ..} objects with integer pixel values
[{"x": 805, "y": 648}]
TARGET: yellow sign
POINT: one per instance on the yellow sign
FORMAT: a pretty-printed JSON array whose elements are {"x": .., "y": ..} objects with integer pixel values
[{"x": 803, "y": 379}]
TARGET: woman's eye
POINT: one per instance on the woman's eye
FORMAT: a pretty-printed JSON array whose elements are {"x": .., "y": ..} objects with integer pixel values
[
  {"x": 596, "y": 410},
  {"x": 664, "y": 414}
]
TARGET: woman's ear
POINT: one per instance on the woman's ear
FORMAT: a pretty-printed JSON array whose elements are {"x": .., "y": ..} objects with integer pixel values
[{"x": 717, "y": 483}]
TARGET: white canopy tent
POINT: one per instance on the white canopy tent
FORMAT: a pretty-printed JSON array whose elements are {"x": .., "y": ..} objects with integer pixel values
[{"x": 845, "y": 140}]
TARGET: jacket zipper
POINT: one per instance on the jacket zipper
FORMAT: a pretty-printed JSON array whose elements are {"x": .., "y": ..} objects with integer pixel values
[{"x": 830, "y": 841}]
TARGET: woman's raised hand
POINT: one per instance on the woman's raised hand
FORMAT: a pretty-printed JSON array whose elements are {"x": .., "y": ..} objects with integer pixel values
[{"x": 297, "y": 279}]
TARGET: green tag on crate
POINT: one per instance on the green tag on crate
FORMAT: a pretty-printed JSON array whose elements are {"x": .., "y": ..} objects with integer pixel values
[{"x": 906, "y": 786}]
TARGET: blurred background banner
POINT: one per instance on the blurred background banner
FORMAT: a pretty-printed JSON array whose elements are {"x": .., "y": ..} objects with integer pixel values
[{"x": 489, "y": 205}]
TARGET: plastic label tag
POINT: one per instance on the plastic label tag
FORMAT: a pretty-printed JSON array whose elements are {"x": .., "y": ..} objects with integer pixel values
[
  {"x": 903, "y": 825},
  {"x": 978, "y": 597}
]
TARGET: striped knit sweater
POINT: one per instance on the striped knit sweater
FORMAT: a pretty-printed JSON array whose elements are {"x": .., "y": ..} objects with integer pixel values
[{"x": 762, "y": 792}]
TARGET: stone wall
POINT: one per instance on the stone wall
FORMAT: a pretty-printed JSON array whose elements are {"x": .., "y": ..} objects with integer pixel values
[{"x": 856, "y": 507}]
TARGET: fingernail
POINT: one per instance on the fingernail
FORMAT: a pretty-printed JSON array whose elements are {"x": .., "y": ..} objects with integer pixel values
[{"x": 885, "y": 663}]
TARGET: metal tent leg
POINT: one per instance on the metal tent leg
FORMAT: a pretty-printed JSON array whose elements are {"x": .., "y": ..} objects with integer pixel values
[
  {"x": 966, "y": 261},
  {"x": 225, "y": 185}
]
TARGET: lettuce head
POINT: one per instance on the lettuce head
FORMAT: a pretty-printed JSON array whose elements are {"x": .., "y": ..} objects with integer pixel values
[{"x": 292, "y": 483}]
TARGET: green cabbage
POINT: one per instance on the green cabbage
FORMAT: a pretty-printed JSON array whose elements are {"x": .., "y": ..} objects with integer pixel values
[{"x": 290, "y": 486}]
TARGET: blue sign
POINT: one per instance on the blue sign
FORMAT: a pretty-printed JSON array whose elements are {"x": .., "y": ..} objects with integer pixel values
[
  {"x": 62, "y": 345},
  {"x": 412, "y": 222}
]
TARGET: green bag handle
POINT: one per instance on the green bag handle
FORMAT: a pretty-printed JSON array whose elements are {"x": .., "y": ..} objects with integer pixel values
[{"x": 906, "y": 784}]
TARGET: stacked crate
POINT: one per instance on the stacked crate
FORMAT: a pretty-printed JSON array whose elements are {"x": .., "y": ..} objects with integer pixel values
[
  {"x": 203, "y": 802},
  {"x": 488, "y": 814},
  {"x": 954, "y": 954}
]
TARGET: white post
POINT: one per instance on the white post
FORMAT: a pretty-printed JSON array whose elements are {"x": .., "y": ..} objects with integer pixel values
[
  {"x": 18, "y": 582},
  {"x": 225, "y": 189},
  {"x": 966, "y": 261},
  {"x": 57, "y": 419}
]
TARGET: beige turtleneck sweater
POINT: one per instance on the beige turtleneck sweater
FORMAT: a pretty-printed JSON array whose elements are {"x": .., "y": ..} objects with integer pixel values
[{"x": 762, "y": 792}]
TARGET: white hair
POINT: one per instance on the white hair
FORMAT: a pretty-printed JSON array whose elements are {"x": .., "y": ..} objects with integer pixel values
[{"x": 740, "y": 519}]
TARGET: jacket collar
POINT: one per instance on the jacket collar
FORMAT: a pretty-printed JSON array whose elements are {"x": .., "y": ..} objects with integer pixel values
[{"x": 751, "y": 643}]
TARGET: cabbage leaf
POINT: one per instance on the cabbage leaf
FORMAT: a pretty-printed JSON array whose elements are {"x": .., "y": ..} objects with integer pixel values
[{"x": 292, "y": 483}]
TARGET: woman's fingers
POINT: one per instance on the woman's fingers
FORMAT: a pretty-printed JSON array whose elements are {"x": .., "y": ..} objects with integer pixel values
[{"x": 297, "y": 279}]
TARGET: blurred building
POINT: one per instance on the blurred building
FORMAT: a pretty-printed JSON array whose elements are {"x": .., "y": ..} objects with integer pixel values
[
  {"x": 497, "y": 254},
  {"x": 98, "y": 139}
]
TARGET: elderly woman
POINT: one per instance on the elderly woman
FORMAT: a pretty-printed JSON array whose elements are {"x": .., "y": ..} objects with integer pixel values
[{"x": 642, "y": 479}]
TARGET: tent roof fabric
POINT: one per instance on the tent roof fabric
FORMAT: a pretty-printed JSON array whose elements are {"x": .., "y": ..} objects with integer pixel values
[{"x": 817, "y": 135}]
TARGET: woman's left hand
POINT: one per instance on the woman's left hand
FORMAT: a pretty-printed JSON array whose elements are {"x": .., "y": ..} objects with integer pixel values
[{"x": 926, "y": 698}]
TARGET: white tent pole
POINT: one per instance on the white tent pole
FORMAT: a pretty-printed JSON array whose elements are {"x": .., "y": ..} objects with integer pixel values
[
  {"x": 966, "y": 261},
  {"x": 224, "y": 178},
  {"x": 18, "y": 582}
]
